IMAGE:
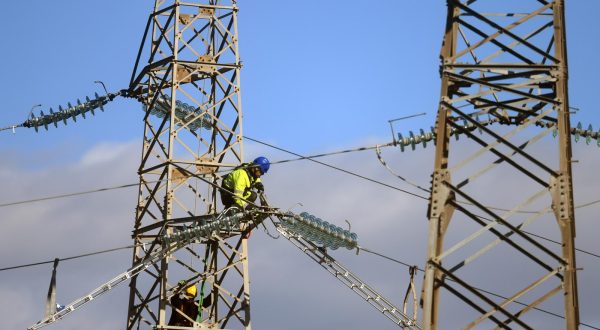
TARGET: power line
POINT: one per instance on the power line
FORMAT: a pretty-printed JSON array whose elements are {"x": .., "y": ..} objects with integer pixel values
[
  {"x": 478, "y": 289},
  {"x": 545, "y": 238},
  {"x": 277, "y": 162},
  {"x": 71, "y": 194},
  {"x": 328, "y": 153},
  {"x": 68, "y": 258},
  {"x": 300, "y": 157},
  {"x": 338, "y": 169},
  {"x": 377, "y": 149}
]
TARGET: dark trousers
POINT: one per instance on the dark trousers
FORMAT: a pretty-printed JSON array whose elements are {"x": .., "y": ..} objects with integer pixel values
[{"x": 227, "y": 197}]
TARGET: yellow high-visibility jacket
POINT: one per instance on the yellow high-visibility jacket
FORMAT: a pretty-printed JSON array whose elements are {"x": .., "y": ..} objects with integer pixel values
[{"x": 239, "y": 181}]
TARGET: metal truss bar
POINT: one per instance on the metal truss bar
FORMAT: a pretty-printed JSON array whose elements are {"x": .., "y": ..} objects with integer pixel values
[
  {"x": 220, "y": 18},
  {"x": 499, "y": 154},
  {"x": 498, "y": 33},
  {"x": 507, "y": 136},
  {"x": 223, "y": 77},
  {"x": 538, "y": 301},
  {"x": 146, "y": 70},
  {"x": 144, "y": 304},
  {"x": 147, "y": 201},
  {"x": 230, "y": 261},
  {"x": 137, "y": 59},
  {"x": 189, "y": 4},
  {"x": 230, "y": 85},
  {"x": 151, "y": 169},
  {"x": 507, "y": 105},
  {"x": 155, "y": 138},
  {"x": 183, "y": 264},
  {"x": 215, "y": 64},
  {"x": 500, "y": 160},
  {"x": 159, "y": 96},
  {"x": 499, "y": 240},
  {"x": 221, "y": 101},
  {"x": 508, "y": 66},
  {"x": 155, "y": 44},
  {"x": 504, "y": 141},
  {"x": 492, "y": 88},
  {"x": 186, "y": 45},
  {"x": 151, "y": 195},
  {"x": 504, "y": 30},
  {"x": 485, "y": 228},
  {"x": 161, "y": 11},
  {"x": 232, "y": 310},
  {"x": 183, "y": 144},
  {"x": 479, "y": 295},
  {"x": 510, "y": 300},
  {"x": 503, "y": 237},
  {"x": 473, "y": 55},
  {"x": 459, "y": 77},
  {"x": 197, "y": 33},
  {"x": 224, "y": 36},
  {"x": 516, "y": 43},
  {"x": 513, "y": 74},
  {"x": 472, "y": 304},
  {"x": 502, "y": 221},
  {"x": 223, "y": 42},
  {"x": 521, "y": 102},
  {"x": 493, "y": 40},
  {"x": 233, "y": 263},
  {"x": 223, "y": 292},
  {"x": 468, "y": 49},
  {"x": 349, "y": 279},
  {"x": 199, "y": 219},
  {"x": 507, "y": 14}
]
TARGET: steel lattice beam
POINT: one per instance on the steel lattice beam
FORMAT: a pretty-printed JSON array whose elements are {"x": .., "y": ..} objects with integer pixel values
[
  {"x": 188, "y": 55},
  {"x": 505, "y": 61}
]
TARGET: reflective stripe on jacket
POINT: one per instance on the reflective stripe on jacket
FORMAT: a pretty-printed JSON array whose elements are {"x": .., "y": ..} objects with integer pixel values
[{"x": 239, "y": 182}]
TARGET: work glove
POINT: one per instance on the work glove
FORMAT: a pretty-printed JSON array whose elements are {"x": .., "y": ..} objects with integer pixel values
[{"x": 259, "y": 187}]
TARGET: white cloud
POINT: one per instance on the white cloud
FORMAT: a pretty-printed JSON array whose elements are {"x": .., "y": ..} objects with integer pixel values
[
  {"x": 107, "y": 152},
  {"x": 286, "y": 285}
]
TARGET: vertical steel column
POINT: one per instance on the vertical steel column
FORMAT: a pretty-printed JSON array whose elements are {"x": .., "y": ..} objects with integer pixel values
[
  {"x": 563, "y": 198},
  {"x": 504, "y": 61},
  {"x": 187, "y": 76}
]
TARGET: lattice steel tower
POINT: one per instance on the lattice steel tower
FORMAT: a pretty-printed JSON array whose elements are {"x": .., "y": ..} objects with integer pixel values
[
  {"x": 505, "y": 62},
  {"x": 187, "y": 74}
]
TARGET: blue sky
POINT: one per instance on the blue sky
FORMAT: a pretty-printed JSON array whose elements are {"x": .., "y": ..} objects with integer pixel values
[{"x": 318, "y": 76}]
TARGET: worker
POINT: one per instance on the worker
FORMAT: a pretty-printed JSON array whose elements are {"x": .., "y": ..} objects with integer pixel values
[
  {"x": 183, "y": 303},
  {"x": 238, "y": 185}
]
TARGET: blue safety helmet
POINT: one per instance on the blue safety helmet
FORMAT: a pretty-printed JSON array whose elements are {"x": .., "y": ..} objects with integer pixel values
[{"x": 263, "y": 163}]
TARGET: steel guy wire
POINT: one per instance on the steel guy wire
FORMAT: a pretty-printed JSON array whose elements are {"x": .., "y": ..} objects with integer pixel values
[{"x": 476, "y": 288}]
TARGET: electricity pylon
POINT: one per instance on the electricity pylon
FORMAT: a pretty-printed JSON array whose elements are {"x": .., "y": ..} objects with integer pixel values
[
  {"x": 507, "y": 61},
  {"x": 187, "y": 75}
]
